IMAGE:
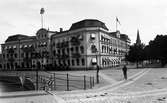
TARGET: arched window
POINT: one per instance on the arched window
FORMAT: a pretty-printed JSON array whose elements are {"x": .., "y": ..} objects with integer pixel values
[{"x": 93, "y": 49}]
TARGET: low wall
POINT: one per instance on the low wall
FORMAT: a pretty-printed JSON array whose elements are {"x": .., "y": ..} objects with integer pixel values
[{"x": 29, "y": 97}]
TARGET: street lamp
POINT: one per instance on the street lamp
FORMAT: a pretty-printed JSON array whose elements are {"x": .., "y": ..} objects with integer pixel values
[
  {"x": 37, "y": 69},
  {"x": 97, "y": 69}
]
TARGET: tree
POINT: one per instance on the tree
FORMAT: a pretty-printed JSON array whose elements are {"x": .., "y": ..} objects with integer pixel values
[
  {"x": 136, "y": 54},
  {"x": 157, "y": 49}
]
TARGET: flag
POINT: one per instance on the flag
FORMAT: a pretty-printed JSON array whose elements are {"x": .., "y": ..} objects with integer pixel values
[
  {"x": 118, "y": 21},
  {"x": 42, "y": 11}
]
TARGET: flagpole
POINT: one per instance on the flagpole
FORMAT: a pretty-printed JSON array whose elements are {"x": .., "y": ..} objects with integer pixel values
[
  {"x": 42, "y": 12},
  {"x": 42, "y": 20},
  {"x": 116, "y": 25}
]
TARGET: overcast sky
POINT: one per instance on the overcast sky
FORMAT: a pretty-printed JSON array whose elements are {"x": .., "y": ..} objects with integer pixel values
[{"x": 23, "y": 16}]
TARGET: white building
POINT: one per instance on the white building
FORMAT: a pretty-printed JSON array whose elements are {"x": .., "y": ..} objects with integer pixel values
[{"x": 85, "y": 44}]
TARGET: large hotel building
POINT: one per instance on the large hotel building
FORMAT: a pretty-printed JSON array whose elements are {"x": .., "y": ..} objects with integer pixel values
[{"x": 85, "y": 45}]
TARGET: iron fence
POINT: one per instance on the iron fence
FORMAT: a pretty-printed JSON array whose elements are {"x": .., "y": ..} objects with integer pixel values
[{"x": 60, "y": 81}]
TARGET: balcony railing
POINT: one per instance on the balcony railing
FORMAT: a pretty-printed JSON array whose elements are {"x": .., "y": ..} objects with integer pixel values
[
  {"x": 64, "y": 56},
  {"x": 76, "y": 55},
  {"x": 75, "y": 41}
]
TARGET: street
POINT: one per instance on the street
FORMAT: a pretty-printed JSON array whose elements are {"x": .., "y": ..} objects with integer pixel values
[{"x": 146, "y": 86}]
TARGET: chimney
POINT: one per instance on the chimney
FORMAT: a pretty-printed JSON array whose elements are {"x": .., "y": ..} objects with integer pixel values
[{"x": 61, "y": 29}]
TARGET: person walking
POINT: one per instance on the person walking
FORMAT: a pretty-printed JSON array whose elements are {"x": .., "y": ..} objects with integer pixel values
[{"x": 124, "y": 69}]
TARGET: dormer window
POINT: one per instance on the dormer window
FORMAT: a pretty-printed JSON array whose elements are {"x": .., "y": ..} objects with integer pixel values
[{"x": 92, "y": 36}]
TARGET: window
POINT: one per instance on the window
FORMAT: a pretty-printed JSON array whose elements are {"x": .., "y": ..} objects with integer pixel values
[
  {"x": 68, "y": 62},
  {"x": 102, "y": 49},
  {"x": 58, "y": 51},
  {"x": 77, "y": 61},
  {"x": 72, "y": 49},
  {"x": 73, "y": 63},
  {"x": 94, "y": 61},
  {"x": 76, "y": 48},
  {"x": 82, "y": 49},
  {"x": 107, "y": 49},
  {"x": 14, "y": 46},
  {"x": 64, "y": 62},
  {"x": 3, "y": 55},
  {"x": 15, "y": 64},
  {"x": 68, "y": 50},
  {"x": 80, "y": 37},
  {"x": 102, "y": 38},
  {"x": 92, "y": 36},
  {"x": 63, "y": 51},
  {"x": 94, "y": 49},
  {"x": 110, "y": 49},
  {"x": 53, "y": 44},
  {"x": 11, "y": 55},
  {"x": 83, "y": 61},
  {"x": 7, "y": 55},
  {"x": 15, "y": 55},
  {"x": 22, "y": 55},
  {"x": 54, "y": 52}
]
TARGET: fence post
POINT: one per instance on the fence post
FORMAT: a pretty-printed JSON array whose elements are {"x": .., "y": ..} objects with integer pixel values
[
  {"x": 84, "y": 82},
  {"x": 67, "y": 82},
  {"x": 54, "y": 81},
  {"x": 90, "y": 82},
  {"x": 51, "y": 82},
  {"x": 37, "y": 79},
  {"x": 93, "y": 81}
]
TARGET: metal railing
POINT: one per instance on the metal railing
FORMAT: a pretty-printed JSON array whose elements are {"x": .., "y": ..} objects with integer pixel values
[{"x": 61, "y": 82}]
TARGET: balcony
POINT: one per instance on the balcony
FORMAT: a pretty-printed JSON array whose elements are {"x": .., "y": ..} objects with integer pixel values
[
  {"x": 76, "y": 55},
  {"x": 64, "y": 56},
  {"x": 75, "y": 41},
  {"x": 58, "y": 45},
  {"x": 65, "y": 44}
]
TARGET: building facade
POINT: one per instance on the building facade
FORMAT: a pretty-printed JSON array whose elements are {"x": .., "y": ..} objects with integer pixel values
[
  {"x": 86, "y": 44},
  {"x": 22, "y": 51}
]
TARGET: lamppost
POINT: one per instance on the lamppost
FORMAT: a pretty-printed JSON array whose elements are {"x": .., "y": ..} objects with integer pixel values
[
  {"x": 97, "y": 68},
  {"x": 37, "y": 69},
  {"x": 19, "y": 54},
  {"x": 38, "y": 66}
]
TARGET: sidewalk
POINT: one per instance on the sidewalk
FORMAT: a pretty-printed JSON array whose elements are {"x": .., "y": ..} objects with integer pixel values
[{"x": 156, "y": 79}]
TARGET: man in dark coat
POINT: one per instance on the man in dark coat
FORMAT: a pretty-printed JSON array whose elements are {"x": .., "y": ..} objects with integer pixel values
[{"x": 124, "y": 69}]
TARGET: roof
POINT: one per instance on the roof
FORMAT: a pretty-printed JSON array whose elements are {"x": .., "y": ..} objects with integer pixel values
[
  {"x": 113, "y": 34},
  {"x": 123, "y": 37},
  {"x": 18, "y": 37},
  {"x": 88, "y": 23},
  {"x": 42, "y": 31}
]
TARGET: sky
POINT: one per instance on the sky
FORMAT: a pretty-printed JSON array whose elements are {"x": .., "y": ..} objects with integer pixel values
[{"x": 23, "y": 16}]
